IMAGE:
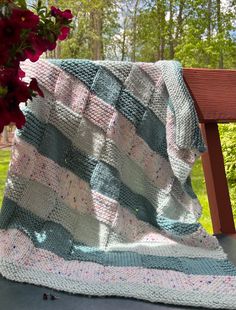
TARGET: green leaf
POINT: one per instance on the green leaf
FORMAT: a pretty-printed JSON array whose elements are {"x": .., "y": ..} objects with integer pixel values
[{"x": 22, "y": 4}]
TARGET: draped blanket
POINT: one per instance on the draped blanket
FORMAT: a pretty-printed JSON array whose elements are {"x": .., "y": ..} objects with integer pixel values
[{"x": 98, "y": 198}]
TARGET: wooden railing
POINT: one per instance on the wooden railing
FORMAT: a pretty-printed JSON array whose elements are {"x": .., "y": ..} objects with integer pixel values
[{"x": 214, "y": 93}]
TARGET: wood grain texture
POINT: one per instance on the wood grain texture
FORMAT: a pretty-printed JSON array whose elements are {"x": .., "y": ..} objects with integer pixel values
[{"x": 214, "y": 93}]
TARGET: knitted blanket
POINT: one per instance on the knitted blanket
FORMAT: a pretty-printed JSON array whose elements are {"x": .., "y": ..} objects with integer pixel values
[{"x": 98, "y": 197}]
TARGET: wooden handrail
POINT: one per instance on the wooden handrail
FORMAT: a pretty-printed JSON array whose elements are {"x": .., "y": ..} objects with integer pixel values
[{"x": 214, "y": 93}]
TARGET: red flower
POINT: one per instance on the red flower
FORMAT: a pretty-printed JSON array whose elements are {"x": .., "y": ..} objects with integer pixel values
[
  {"x": 7, "y": 74},
  {"x": 34, "y": 86},
  {"x": 23, "y": 36},
  {"x": 21, "y": 73},
  {"x": 50, "y": 45},
  {"x": 25, "y": 19},
  {"x": 38, "y": 46},
  {"x": 4, "y": 54},
  {"x": 32, "y": 54},
  {"x": 10, "y": 114},
  {"x": 61, "y": 14},
  {"x": 17, "y": 117},
  {"x": 9, "y": 33},
  {"x": 64, "y": 33},
  {"x": 18, "y": 91}
]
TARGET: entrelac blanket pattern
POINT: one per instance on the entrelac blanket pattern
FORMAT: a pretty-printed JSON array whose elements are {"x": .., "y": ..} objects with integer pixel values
[{"x": 98, "y": 197}]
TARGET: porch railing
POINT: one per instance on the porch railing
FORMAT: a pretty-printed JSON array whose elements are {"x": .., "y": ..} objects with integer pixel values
[{"x": 214, "y": 93}]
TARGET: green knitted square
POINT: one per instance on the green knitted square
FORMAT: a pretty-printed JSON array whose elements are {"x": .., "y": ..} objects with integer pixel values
[
  {"x": 106, "y": 86},
  {"x": 139, "y": 84}
]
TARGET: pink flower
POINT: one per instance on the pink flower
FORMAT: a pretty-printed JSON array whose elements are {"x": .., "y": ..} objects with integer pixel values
[
  {"x": 61, "y": 14},
  {"x": 64, "y": 33}
]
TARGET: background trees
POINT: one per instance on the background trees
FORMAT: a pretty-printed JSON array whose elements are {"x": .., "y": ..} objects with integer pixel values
[{"x": 199, "y": 33}]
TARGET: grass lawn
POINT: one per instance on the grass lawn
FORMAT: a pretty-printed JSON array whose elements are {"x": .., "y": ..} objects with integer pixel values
[
  {"x": 4, "y": 162},
  {"x": 197, "y": 181}
]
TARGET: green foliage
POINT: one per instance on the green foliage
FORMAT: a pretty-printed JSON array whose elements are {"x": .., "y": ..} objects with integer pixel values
[
  {"x": 228, "y": 141},
  {"x": 199, "y": 186},
  {"x": 4, "y": 163},
  {"x": 95, "y": 23},
  {"x": 198, "y": 33}
]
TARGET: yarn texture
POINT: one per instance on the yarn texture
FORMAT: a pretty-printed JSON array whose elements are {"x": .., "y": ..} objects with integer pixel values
[{"x": 98, "y": 197}]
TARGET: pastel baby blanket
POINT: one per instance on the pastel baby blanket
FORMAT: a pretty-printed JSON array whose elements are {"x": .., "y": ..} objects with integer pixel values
[{"x": 98, "y": 197}]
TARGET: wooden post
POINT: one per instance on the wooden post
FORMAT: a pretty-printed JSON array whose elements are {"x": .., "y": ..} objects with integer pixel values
[{"x": 216, "y": 182}]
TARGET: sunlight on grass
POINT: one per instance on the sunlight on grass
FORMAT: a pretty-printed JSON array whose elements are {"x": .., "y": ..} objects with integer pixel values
[
  {"x": 4, "y": 162},
  {"x": 199, "y": 187}
]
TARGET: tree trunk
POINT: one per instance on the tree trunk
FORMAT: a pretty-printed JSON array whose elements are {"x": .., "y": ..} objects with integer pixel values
[
  {"x": 133, "y": 54},
  {"x": 58, "y": 50},
  {"x": 209, "y": 26},
  {"x": 179, "y": 30},
  {"x": 219, "y": 26},
  {"x": 171, "y": 40},
  {"x": 96, "y": 41},
  {"x": 209, "y": 13},
  {"x": 123, "y": 43},
  {"x": 161, "y": 31}
]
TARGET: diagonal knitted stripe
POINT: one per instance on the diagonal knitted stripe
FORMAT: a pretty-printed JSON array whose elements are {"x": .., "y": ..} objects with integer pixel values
[
  {"x": 95, "y": 172},
  {"x": 80, "y": 97},
  {"x": 89, "y": 202},
  {"x": 90, "y": 138},
  {"x": 115, "y": 125},
  {"x": 106, "y": 86},
  {"x": 53, "y": 237},
  {"x": 93, "y": 141},
  {"x": 107, "y": 156},
  {"x": 70, "y": 90},
  {"x": 84, "y": 222},
  {"x": 183, "y": 103},
  {"x": 44, "y": 202}
]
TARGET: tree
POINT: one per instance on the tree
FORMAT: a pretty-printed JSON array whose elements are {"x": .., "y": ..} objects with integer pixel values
[{"x": 198, "y": 33}]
